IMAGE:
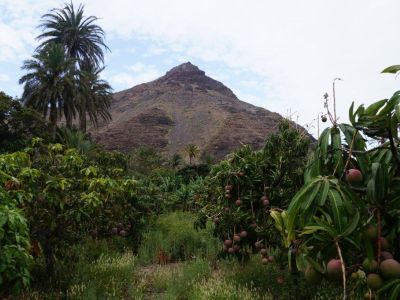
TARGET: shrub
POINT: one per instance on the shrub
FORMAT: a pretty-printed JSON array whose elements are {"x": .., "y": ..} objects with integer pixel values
[
  {"x": 15, "y": 260},
  {"x": 19, "y": 124},
  {"x": 241, "y": 190}
]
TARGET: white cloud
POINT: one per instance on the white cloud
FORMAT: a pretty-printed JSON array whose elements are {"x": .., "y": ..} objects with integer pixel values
[
  {"x": 298, "y": 47},
  {"x": 295, "y": 48},
  {"x": 4, "y": 78},
  {"x": 139, "y": 73}
]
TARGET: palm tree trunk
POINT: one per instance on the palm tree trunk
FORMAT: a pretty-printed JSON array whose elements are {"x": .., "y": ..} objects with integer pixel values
[
  {"x": 53, "y": 119},
  {"x": 68, "y": 120},
  {"x": 82, "y": 117}
]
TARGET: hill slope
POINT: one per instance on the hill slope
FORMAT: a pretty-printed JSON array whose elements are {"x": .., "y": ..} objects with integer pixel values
[{"x": 184, "y": 107}]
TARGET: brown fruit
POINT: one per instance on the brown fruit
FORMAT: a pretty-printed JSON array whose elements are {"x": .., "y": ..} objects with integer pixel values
[
  {"x": 238, "y": 202},
  {"x": 236, "y": 238},
  {"x": 263, "y": 251},
  {"x": 334, "y": 269},
  {"x": 374, "y": 281},
  {"x": 241, "y": 173},
  {"x": 354, "y": 276},
  {"x": 225, "y": 248},
  {"x": 384, "y": 243},
  {"x": 216, "y": 220},
  {"x": 369, "y": 295},
  {"x": 386, "y": 255},
  {"x": 264, "y": 198},
  {"x": 312, "y": 276},
  {"x": 114, "y": 230},
  {"x": 370, "y": 266},
  {"x": 258, "y": 245},
  {"x": 270, "y": 258},
  {"x": 371, "y": 233},
  {"x": 264, "y": 261},
  {"x": 228, "y": 243},
  {"x": 228, "y": 196},
  {"x": 228, "y": 187},
  {"x": 226, "y": 209},
  {"x": 253, "y": 225},
  {"x": 122, "y": 233},
  {"x": 236, "y": 248},
  {"x": 231, "y": 250},
  {"x": 243, "y": 234},
  {"x": 390, "y": 269},
  {"x": 324, "y": 119},
  {"x": 265, "y": 202},
  {"x": 354, "y": 176}
]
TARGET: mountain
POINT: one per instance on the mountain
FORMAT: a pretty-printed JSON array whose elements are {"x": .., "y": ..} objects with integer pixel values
[{"x": 183, "y": 107}]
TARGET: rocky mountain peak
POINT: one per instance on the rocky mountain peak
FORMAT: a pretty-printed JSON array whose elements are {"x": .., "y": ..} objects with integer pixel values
[
  {"x": 185, "y": 70},
  {"x": 190, "y": 75}
]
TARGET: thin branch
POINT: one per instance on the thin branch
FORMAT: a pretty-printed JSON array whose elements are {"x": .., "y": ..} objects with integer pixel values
[{"x": 343, "y": 269}]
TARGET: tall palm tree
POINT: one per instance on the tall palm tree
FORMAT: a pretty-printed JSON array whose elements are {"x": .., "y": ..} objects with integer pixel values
[
  {"x": 94, "y": 95},
  {"x": 82, "y": 39},
  {"x": 192, "y": 151},
  {"x": 49, "y": 81}
]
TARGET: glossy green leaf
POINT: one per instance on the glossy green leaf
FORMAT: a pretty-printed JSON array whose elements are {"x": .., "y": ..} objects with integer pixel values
[{"x": 392, "y": 69}]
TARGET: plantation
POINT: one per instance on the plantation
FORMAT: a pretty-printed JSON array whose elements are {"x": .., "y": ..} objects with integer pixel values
[{"x": 298, "y": 218}]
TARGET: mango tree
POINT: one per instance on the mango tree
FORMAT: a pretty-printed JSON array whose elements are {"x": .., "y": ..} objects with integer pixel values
[{"x": 345, "y": 219}]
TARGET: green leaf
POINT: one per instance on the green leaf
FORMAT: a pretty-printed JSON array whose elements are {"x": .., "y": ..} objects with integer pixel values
[
  {"x": 375, "y": 107},
  {"x": 324, "y": 193},
  {"x": 352, "y": 117},
  {"x": 315, "y": 265},
  {"x": 336, "y": 206},
  {"x": 388, "y": 285},
  {"x": 297, "y": 202},
  {"x": 392, "y": 69},
  {"x": 352, "y": 226}
]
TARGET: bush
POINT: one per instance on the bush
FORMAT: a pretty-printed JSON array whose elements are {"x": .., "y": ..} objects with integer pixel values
[
  {"x": 73, "y": 198},
  {"x": 172, "y": 237},
  {"x": 241, "y": 190},
  {"x": 15, "y": 260},
  {"x": 19, "y": 124}
]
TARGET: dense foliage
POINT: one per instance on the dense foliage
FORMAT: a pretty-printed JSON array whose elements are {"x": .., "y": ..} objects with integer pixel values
[
  {"x": 240, "y": 191},
  {"x": 345, "y": 219},
  {"x": 18, "y": 124},
  {"x": 65, "y": 196}
]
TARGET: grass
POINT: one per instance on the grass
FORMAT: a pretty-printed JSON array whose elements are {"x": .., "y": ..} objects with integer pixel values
[
  {"x": 105, "y": 269},
  {"x": 99, "y": 272},
  {"x": 173, "y": 238}
]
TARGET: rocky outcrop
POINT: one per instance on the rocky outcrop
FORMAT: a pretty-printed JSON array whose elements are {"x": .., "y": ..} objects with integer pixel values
[{"x": 183, "y": 107}]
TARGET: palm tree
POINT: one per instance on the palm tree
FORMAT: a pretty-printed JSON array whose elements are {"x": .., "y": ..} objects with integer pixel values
[
  {"x": 49, "y": 81},
  {"x": 176, "y": 160},
  {"x": 192, "y": 151},
  {"x": 82, "y": 39},
  {"x": 94, "y": 95}
]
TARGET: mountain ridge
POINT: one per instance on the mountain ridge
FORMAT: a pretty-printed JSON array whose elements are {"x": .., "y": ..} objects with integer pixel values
[{"x": 183, "y": 107}]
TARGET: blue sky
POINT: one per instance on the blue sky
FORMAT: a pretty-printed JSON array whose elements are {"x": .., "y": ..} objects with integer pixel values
[{"x": 281, "y": 55}]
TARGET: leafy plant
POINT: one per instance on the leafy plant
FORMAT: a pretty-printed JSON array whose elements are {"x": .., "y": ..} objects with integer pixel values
[
  {"x": 345, "y": 215},
  {"x": 15, "y": 258},
  {"x": 241, "y": 192}
]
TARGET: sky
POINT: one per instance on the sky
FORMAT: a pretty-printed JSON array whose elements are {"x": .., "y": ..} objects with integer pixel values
[{"x": 280, "y": 55}]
